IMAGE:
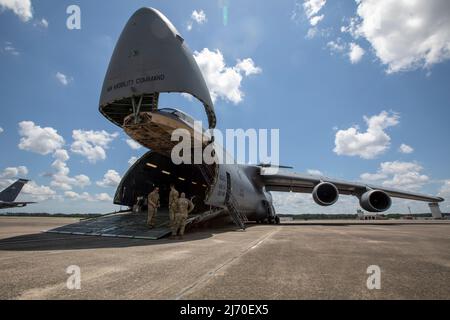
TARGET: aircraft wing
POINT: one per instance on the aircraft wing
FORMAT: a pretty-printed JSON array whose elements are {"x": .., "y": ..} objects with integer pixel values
[
  {"x": 22, "y": 203},
  {"x": 305, "y": 183}
]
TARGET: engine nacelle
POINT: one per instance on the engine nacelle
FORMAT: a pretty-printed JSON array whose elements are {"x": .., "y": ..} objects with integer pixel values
[
  {"x": 325, "y": 194},
  {"x": 375, "y": 201}
]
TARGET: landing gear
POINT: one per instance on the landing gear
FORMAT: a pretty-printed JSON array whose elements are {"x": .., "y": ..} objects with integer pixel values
[
  {"x": 270, "y": 220},
  {"x": 274, "y": 220},
  {"x": 277, "y": 220}
]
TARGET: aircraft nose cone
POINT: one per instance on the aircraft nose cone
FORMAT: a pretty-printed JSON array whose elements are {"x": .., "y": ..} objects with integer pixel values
[
  {"x": 150, "y": 57},
  {"x": 155, "y": 22}
]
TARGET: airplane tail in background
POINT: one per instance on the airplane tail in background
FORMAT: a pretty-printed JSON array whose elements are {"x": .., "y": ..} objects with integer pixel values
[{"x": 10, "y": 194}]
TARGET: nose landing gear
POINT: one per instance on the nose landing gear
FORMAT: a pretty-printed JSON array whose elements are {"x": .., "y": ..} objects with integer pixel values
[
  {"x": 272, "y": 217},
  {"x": 273, "y": 220}
]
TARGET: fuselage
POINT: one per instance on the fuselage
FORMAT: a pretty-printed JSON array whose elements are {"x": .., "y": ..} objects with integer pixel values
[{"x": 225, "y": 182}]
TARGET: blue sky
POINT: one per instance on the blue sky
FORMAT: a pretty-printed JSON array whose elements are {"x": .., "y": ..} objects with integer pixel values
[{"x": 319, "y": 68}]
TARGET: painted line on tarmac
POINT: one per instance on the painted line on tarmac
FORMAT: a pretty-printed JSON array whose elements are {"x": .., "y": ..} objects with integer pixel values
[{"x": 205, "y": 278}]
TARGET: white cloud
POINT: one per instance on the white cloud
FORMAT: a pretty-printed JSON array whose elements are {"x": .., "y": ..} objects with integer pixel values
[
  {"x": 370, "y": 144},
  {"x": 224, "y": 82},
  {"x": 22, "y": 8},
  {"x": 371, "y": 177},
  {"x": 405, "y": 35},
  {"x": 290, "y": 202},
  {"x": 87, "y": 197},
  {"x": 336, "y": 46},
  {"x": 312, "y": 8},
  {"x": 72, "y": 195},
  {"x": 312, "y": 32},
  {"x": 61, "y": 178},
  {"x": 316, "y": 19},
  {"x": 92, "y": 144},
  {"x": 187, "y": 96},
  {"x": 1, "y": 130},
  {"x": 63, "y": 79},
  {"x": 133, "y": 144},
  {"x": 404, "y": 148},
  {"x": 198, "y": 17},
  {"x": 14, "y": 172},
  {"x": 248, "y": 67},
  {"x": 398, "y": 167},
  {"x": 352, "y": 27},
  {"x": 37, "y": 192},
  {"x": 103, "y": 197},
  {"x": 8, "y": 48},
  {"x": 110, "y": 179},
  {"x": 132, "y": 160},
  {"x": 314, "y": 172},
  {"x": 355, "y": 53},
  {"x": 61, "y": 155},
  {"x": 39, "y": 140},
  {"x": 297, "y": 12},
  {"x": 43, "y": 23},
  {"x": 82, "y": 181},
  {"x": 445, "y": 189},
  {"x": 402, "y": 175},
  {"x": 5, "y": 183}
]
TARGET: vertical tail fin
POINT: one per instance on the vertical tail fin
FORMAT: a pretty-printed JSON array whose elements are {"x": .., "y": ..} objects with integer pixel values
[{"x": 10, "y": 194}]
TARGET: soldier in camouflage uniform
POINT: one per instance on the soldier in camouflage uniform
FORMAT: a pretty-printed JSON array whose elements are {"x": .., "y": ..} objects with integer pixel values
[
  {"x": 153, "y": 205},
  {"x": 184, "y": 206},
  {"x": 173, "y": 202}
]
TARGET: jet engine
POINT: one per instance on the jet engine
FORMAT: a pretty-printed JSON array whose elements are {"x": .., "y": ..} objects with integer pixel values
[
  {"x": 325, "y": 194},
  {"x": 375, "y": 201}
]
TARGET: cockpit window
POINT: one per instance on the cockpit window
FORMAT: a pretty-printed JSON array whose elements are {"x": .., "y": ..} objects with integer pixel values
[{"x": 179, "y": 114}]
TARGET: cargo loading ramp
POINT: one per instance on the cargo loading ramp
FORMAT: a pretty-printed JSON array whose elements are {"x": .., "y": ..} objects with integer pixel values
[{"x": 128, "y": 225}]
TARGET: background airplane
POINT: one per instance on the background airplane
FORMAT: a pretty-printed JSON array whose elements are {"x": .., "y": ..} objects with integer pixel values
[{"x": 10, "y": 194}]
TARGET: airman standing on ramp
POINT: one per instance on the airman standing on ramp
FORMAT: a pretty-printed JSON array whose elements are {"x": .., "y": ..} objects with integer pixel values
[
  {"x": 173, "y": 203},
  {"x": 184, "y": 206},
  {"x": 153, "y": 205}
]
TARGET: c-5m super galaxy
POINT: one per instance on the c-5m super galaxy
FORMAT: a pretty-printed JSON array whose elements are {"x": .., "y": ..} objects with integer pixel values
[{"x": 152, "y": 58}]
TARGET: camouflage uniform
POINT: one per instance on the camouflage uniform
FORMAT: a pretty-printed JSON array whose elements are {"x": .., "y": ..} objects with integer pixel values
[
  {"x": 173, "y": 199},
  {"x": 153, "y": 197},
  {"x": 185, "y": 206}
]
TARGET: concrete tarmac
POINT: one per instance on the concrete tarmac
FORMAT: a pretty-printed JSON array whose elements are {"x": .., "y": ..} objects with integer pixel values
[{"x": 311, "y": 260}]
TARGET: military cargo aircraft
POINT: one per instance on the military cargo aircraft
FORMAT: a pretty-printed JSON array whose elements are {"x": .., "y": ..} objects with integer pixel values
[{"x": 152, "y": 58}]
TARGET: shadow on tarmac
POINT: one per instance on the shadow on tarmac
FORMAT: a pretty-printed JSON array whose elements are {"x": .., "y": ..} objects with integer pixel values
[{"x": 51, "y": 241}]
